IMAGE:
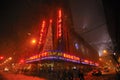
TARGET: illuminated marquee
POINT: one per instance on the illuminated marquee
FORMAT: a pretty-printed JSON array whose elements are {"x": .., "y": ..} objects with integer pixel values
[
  {"x": 71, "y": 57},
  {"x": 57, "y": 55},
  {"x": 60, "y": 56}
]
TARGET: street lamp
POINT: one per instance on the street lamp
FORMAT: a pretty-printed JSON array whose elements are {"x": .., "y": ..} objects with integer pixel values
[
  {"x": 105, "y": 52},
  {"x": 10, "y": 58},
  {"x": 33, "y": 41},
  {"x": 100, "y": 59}
]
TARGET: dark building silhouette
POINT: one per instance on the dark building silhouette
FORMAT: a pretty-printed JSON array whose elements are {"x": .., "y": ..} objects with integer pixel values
[{"x": 112, "y": 14}]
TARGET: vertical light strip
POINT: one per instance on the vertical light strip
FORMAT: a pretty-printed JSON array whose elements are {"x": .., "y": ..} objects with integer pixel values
[
  {"x": 59, "y": 24},
  {"x": 42, "y": 32},
  {"x": 48, "y": 41}
]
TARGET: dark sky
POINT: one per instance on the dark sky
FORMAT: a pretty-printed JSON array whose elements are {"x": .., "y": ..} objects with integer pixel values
[{"x": 17, "y": 19}]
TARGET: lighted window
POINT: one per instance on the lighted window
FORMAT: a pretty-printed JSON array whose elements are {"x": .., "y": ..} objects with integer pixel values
[{"x": 76, "y": 46}]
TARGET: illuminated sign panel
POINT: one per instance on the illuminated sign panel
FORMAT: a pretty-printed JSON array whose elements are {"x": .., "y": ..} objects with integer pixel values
[
  {"x": 60, "y": 56},
  {"x": 42, "y": 32},
  {"x": 57, "y": 55},
  {"x": 71, "y": 57},
  {"x": 59, "y": 24}
]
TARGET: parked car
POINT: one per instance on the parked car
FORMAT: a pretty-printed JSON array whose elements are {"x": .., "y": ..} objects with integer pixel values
[{"x": 96, "y": 73}]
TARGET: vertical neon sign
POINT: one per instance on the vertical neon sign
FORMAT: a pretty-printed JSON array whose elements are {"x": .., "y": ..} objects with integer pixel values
[
  {"x": 59, "y": 24},
  {"x": 41, "y": 32}
]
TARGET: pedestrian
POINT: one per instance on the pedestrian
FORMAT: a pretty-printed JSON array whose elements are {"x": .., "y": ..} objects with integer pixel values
[
  {"x": 70, "y": 75},
  {"x": 64, "y": 74},
  {"x": 118, "y": 75},
  {"x": 80, "y": 74}
]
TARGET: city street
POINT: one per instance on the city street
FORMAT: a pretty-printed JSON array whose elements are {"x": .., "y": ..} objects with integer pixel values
[
  {"x": 103, "y": 77},
  {"x": 59, "y": 40},
  {"x": 10, "y": 76}
]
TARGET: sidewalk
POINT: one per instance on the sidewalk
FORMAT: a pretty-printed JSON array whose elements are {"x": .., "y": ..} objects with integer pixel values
[{"x": 11, "y": 76}]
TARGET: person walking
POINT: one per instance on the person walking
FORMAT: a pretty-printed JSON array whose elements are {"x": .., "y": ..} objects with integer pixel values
[
  {"x": 80, "y": 75},
  {"x": 70, "y": 75}
]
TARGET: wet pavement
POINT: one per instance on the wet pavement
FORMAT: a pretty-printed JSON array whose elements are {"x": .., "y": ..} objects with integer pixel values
[
  {"x": 103, "y": 77},
  {"x": 10, "y": 76}
]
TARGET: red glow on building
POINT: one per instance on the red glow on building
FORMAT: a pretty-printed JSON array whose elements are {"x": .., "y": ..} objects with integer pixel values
[
  {"x": 60, "y": 14},
  {"x": 50, "y": 20},
  {"x": 54, "y": 41},
  {"x": 96, "y": 64}
]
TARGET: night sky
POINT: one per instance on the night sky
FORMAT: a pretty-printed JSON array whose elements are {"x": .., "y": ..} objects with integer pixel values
[{"x": 19, "y": 21}]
